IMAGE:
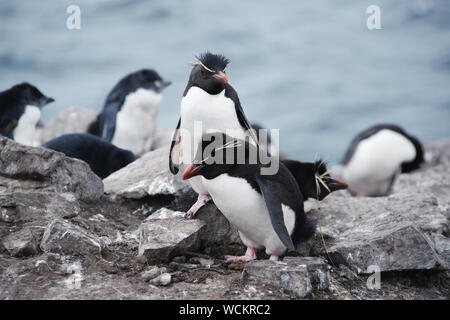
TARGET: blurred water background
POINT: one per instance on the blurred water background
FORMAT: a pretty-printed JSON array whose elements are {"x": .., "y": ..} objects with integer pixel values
[{"x": 309, "y": 68}]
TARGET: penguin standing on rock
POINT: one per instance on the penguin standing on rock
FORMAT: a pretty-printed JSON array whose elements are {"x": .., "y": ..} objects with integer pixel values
[
  {"x": 375, "y": 158},
  {"x": 20, "y": 112},
  {"x": 208, "y": 100},
  {"x": 266, "y": 209},
  {"x": 103, "y": 157},
  {"x": 128, "y": 119}
]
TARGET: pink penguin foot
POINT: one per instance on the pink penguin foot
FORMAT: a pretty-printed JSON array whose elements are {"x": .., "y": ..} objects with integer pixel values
[
  {"x": 201, "y": 201},
  {"x": 273, "y": 257},
  {"x": 250, "y": 254}
]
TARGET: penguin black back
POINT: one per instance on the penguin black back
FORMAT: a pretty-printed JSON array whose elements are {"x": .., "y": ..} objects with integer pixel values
[{"x": 103, "y": 157}]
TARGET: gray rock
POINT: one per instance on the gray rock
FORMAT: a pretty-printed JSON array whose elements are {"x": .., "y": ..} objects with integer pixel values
[
  {"x": 24, "y": 168},
  {"x": 65, "y": 238},
  {"x": 165, "y": 213},
  {"x": 162, "y": 239},
  {"x": 162, "y": 280},
  {"x": 71, "y": 120},
  {"x": 218, "y": 230},
  {"x": 396, "y": 232},
  {"x": 147, "y": 176},
  {"x": 300, "y": 276},
  {"x": 21, "y": 243},
  {"x": 153, "y": 273}
]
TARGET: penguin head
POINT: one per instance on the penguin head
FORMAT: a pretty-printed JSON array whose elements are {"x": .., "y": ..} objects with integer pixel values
[
  {"x": 219, "y": 153},
  {"x": 150, "y": 79},
  {"x": 31, "y": 95},
  {"x": 313, "y": 178},
  {"x": 208, "y": 73}
]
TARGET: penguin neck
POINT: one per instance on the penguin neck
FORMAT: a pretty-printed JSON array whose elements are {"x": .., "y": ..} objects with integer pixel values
[{"x": 26, "y": 127}]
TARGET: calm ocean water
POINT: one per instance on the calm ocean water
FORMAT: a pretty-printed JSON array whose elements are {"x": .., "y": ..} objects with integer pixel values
[{"x": 309, "y": 68}]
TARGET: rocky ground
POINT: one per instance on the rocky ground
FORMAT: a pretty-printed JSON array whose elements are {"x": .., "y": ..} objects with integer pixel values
[{"x": 66, "y": 234}]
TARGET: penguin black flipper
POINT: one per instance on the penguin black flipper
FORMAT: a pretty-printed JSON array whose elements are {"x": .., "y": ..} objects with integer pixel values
[
  {"x": 174, "y": 153},
  {"x": 273, "y": 204},
  {"x": 243, "y": 121},
  {"x": 107, "y": 121}
]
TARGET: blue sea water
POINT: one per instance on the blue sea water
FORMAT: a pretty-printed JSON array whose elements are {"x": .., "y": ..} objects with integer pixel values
[{"x": 310, "y": 68}]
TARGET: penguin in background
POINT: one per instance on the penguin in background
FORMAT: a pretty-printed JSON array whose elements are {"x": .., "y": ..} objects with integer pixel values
[
  {"x": 211, "y": 101},
  {"x": 266, "y": 209},
  {"x": 103, "y": 157},
  {"x": 376, "y": 156},
  {"x": 313, "y": 178},
  {"x": 20, "y": 112},
  {"x": 128, "y": 118}
]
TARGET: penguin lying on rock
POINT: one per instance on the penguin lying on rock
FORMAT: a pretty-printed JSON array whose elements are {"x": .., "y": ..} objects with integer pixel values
[
  {"x": 266, "y": 209},
  {"x": 376, "y": 156},
  {"x": 20, "y": 112},
  {"x": 103, "y": 157}
]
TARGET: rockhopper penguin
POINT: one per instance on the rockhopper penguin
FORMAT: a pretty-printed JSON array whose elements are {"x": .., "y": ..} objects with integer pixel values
[
  {"x": 208, "y": 100},
  {"x": 266, "y": 209}
]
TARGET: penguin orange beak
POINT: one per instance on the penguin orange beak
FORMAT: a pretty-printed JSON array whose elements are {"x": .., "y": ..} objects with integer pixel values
[
  {"x": 191, "y": 171},
  {"x": 222, "y": 77},
  {"x": 335, "y": 184}
]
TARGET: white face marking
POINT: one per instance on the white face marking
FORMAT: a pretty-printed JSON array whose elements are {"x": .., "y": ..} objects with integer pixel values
[
  {"x": 375, "y": 160},
  {"x": 246, "y": 209},
  {"x": 136, "y": 121},
  {"x": 26, "y": 127}
]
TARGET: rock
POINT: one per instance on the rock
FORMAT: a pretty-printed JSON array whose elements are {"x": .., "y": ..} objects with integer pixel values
[
  {"x": 147, "y": 176},
  {"x": 65, "y": 238},
  {"x": 21, "y": 243},
  {"x": 33, "y": 206},
  {"x": 300, "y": 276},
  {"x": 398, "y": 232},
  {"x": 218, "y": 230},
  {"x": 162, "y": 280},
  {"x": 162, "y": 239},
  {"x": 402, "y": 247},
  {"x": 165, "y": 213},
  {"x": 24, "y": 168},
  {"x": 152, "y": 273},
  {"x": 71, "y": 120}
]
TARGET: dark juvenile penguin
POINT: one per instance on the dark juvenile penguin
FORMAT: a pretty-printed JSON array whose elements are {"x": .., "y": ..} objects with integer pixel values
[
  {"x": 376, "y": 156},
  {"x": 128, "y": 118},
  {"x": 20, "y": 112},
  {"x": 103, "y": 157},
  {"x": 266, "y": 209},
  {"x": 209, "y": 102},
  {"x": 313, "y": 178}
]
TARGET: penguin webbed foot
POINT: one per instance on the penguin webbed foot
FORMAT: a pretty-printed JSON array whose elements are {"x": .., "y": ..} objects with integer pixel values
[
  {"x": 201, "y": 201},
  {"x": 249, "y": 255}
]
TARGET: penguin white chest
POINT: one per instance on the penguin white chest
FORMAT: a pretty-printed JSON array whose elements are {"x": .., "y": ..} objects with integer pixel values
[
  {"x": 246, "y": 209},
  {"x": 135, "y": 122},
  {"x": 203, "y": 112},
  {"x": 26, "y": 126},
  {"x": 376, "y": 160}
]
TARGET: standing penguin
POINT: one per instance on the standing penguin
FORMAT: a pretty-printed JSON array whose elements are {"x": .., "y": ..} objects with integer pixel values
[
  {"x": 266, "y": 209},
  {"x": 103, "y": 157},
  {"x": 128, "y": 119},
  {"x": 20, "y": 112},
  {"x": 213, "y": 103},
  {"x": 376, "y": 156}
]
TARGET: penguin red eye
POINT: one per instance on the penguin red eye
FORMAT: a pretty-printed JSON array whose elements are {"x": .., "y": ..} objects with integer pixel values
[{"x": 203, "y": 73}]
